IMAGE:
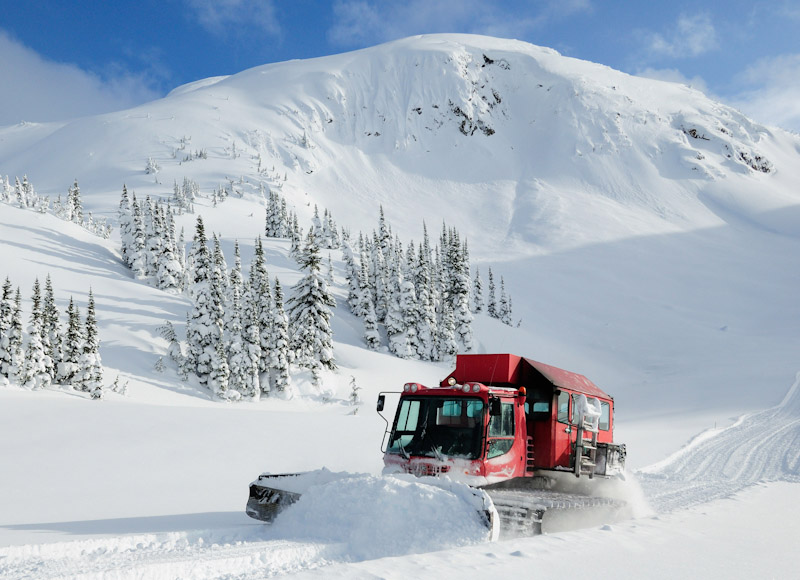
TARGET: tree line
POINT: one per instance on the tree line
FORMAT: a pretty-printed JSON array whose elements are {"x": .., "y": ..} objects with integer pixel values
[{"x": 48, "y": 353}]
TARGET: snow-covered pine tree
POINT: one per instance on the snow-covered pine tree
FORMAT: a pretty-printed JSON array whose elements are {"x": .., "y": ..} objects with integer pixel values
[
  {"x": 491, "y": 300},
  {"x": 279, "y": 353},
  {"x": 91, "y": 366},
  {"x": 477, "y": 293},
  {"x": 330, "y": 232},
  {"x": 379, "y": 281},
  {"x": 355, "y": 399},
  {"x": 19, "y": 194},
  {"x": 446, "y": 344},
  {"x": 73, "y": 347},
  {"x": 6, "y": 191},
  {"x": 52, "y": 327},
  {"x": 235, "y": 282},
  {"x": 126, "y": 227},
  {"x": 426, "y": 320},
  {"x": 504, "y": 310},
  {"x": 36, "y": 373},
  {"x": 6, "y": 314},
  {"x": 261, "y": 295},
  {"x": 329, "y": 271},
  {"x": 74, "y": 204},
  {"x": 203, "y": 332},
  {"x": 153, "y": 228},
  {"x": 364, "y": 295},
  {"x": 351, "y": 273},
  {"x": 396, "y": 326},
  {"x": 239, "y": 364},
  {"x": 174, "y": 350},
  {"x": 310, "y": 313},
  {"x": 169, "y": 273},
  {"x": 16, "y": 338},
  {"x": 219, "y": 373},
  {"x": 138, "y": 258},
  {"x": 371, "y": 334}
]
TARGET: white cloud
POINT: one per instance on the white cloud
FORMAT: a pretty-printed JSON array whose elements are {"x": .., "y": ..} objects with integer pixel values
[
  {"x": 675, "y": 76},
  {"x": 771, "y": 91},
  {"x": 359, "y": 22},
  {"x": 39, "y": 90},
  {"x": 691, "y": 36},
  {"x": 223, "y": 16}
]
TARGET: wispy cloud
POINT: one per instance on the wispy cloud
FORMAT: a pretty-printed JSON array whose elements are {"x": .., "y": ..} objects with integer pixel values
[
  {"x": 222, "y": 16},
  {"x": 37, "y": 89},
  {"x": 367, "y": 21},
  {"x": 771, "y": 91},
  {"x": 692, "y": 35}
]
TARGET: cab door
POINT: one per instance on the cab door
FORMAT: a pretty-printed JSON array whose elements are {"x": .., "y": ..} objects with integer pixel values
[
  {"x": 564, "y": 433},
  {"x": 504, "y": 447}
]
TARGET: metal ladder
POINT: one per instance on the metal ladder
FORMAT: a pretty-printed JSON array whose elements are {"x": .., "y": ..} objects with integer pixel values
[{"x": 586, "y": 448}]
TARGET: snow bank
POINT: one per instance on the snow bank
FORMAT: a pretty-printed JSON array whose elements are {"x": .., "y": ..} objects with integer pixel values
[{"x": 388, "y": 516}]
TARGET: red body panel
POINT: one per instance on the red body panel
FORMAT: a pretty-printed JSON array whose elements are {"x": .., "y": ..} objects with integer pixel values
[{"x": 536, "y": 414}]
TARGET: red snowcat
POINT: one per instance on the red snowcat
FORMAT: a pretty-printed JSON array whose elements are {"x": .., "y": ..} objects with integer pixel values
[{"x": 529, "y": 434}]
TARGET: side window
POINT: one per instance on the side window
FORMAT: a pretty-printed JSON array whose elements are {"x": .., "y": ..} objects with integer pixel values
[
  {"x": 563, "y": 407},
  {"x": 605, "y": 416},
  {"x": 501, "y": 427}
]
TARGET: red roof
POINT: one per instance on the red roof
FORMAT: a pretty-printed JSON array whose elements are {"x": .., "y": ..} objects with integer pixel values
[
  {"x": 568, "y": 380},
  {"x": 514, "y": 371}
]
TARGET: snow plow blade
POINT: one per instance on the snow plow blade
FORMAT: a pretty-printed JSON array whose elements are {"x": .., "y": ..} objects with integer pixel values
[{"x": 268, "y": 496}]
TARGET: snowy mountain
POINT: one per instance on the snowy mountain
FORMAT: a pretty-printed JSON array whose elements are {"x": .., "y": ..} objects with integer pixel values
[{"x": 648, "y": 235}]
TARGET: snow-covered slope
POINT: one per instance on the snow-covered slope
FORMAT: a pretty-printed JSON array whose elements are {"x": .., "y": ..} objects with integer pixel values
[
  {"x": 647, "y": 234},
  {"x": 610, "y": 198}
]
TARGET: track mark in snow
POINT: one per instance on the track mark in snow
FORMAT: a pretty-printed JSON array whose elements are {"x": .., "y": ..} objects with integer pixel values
[
  {"x": 196, "y": 555},
  {"x": 764, "y": 446}
]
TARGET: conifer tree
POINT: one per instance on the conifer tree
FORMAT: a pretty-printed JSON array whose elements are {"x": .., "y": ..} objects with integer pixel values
[
  {"x": 240, "y": 367},
  {"x": 446, "y": 347},
  {"x": 396, "y": 328},
  {"x": 371, "y": 334},
  {"x": 491, "y": 301},
  {"x": 202, "y": 334},
  {"x": 126, "y": 227},
  {"x": 169, "y": 272},
  {"x": 174, "y": 350},
  {"x": 426, "y": 304},
  {"x": 52, "y": 328},
  {"x": 6, "y": 319},
  {"x": 279, "y": 353},
  {"x": 477, "y": 293},
  {"x": 74, "y": 204},
  {"x": 91, "y": 367},
  {"x": 219, "y": 372},
  {"x": 138, "y": 258},
  {"x": 364, "y": 297},
  {"x": 504, "y": 310},
  {"x": 36, "y": 374},
  {"x": 73, "y": 347},
  {"x": 310, "y": 313},
  {"x": 352, "y": 274}
]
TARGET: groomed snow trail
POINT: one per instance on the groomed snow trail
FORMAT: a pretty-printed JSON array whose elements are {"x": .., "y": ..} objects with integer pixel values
[
  {"x": 354, "y": 518},
  {"x": 761, "y": 447},
  {"x": 198, "y": 555}
]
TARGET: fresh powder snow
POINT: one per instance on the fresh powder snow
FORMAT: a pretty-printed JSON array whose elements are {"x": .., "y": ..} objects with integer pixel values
[{"x": 649, "y": 238}]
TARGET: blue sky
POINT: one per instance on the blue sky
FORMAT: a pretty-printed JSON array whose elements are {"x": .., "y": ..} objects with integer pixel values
[{"x": 60, "y": 58}]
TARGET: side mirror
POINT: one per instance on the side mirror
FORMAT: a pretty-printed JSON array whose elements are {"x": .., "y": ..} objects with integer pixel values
[
  {"x": 495, "y": 409},
  {"x": 381, "y": 402}
]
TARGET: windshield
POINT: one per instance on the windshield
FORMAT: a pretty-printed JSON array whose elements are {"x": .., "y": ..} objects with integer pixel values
[{"x": 438, "y": 427}]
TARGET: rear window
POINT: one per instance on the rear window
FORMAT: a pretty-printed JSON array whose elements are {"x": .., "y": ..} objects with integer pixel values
[{"x": 605, "y": 416}]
